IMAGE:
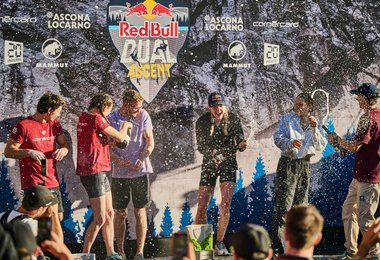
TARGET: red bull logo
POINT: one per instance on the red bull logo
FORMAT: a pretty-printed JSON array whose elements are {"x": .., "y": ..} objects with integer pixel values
[
  {"x": 148, "y": 35},
  {"x": 142, "y": 9}
]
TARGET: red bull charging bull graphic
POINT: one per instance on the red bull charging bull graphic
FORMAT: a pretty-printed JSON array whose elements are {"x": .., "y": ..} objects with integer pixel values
[{"x": 148, "y": 35}]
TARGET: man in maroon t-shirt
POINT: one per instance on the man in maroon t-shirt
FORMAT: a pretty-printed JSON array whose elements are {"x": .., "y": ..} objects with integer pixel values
[
  {"x": 363, "y": 194},
  {"x": 33, "y": 141}
]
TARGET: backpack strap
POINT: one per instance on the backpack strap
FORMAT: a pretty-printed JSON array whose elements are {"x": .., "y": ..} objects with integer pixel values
[{"x": 4, "y": 217}]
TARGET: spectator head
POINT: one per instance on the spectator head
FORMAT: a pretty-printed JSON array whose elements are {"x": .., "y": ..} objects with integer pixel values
[
  {"x": 23, "y": 239},
  {"x": 38, "y": 197},
  {"x": 303, "y": 227},
  {"x": 251, "y": 242},
  {"x": 51, "y": 104}
]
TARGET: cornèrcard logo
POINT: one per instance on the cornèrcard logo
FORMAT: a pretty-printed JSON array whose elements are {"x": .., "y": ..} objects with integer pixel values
[
  {"x": 276, "y": 24},
  {"x": 148, "y": 35},
  {"x": 67, "y": 20},
  {"x": 223, "y": 23},
  {"x": 236, "y": 51},
  {"x": 13, "y": 52},
  {"x": 271, "y": 54},
  {"x": 52, "y": 49},
  {"x": 17, "y": 19}
]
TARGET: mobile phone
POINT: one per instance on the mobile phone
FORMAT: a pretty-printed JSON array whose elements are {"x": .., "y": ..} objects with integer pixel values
[
  {"x": 44, "y": 167},
  {"x": 179, "y": 246},
  {"x": 44, "y": 230}
]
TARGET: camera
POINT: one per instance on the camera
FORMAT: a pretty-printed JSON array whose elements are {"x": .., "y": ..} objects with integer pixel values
[{"x": 44, "y": 230}]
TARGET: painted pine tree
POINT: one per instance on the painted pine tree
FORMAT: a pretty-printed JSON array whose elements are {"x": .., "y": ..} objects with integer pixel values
[
  {"x": 239, "y": 181},
  {"x": 151, "y": 233},
  {"x": 213, "y": 213},
  {"x": 65, "y": 199},
  {"x": 127, "y": 228},
  {"x": 186, "y": 217},
  {"x": 261, "y": 205},
  {"x": 70, "y": 228},
  {"x": 329, "y": 149},
  {"x": 167, "y": 223},
  {"x": 8, "y": 201}
]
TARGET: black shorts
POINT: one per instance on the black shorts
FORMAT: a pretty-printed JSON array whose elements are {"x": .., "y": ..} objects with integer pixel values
[
  {"x": 211, "y": 172},
  {"x": 96, "y": 185},
  {"x": 123, "y": 188}
]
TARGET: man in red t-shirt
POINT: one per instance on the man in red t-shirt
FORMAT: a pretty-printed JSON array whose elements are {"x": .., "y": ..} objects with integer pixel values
[
  {"x": 33, "y": 141},
  {"x": 363, "y": 194}
]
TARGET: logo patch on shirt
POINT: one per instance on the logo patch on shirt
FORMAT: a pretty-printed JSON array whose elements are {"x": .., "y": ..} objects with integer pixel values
[
  {"x": 43, "y": 132},
  {"x": 14, "y": 130}
]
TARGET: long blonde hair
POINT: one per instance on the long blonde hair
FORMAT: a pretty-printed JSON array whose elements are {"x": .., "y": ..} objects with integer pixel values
[{"x": 224, "y": 121}]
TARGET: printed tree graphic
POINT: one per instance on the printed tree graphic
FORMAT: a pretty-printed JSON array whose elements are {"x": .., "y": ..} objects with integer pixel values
[
  {"x": 8, "y": 201},
  {"x": 213, "y": 213},
  {"x": 167, "y": 223},
  {"x": 261, "y": 204},
  {"x": 127, "y": 227},
  {"x": 71, "y": 228},
  {"x": 186, "y": 217},
  {"x": 151, "y": 228},
  {"x": 329, "y": 149},
  {"x": 65, "y": 199},
  {"x": 239, "y": 181}
]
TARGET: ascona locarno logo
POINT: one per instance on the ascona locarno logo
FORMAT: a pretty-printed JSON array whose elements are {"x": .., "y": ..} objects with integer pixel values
[
  {"x": 72, "y": 21},
  {"x": 223, "y": 23}
]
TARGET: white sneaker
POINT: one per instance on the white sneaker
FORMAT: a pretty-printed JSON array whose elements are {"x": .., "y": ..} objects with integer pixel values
[{"x": 220, "y": 249}]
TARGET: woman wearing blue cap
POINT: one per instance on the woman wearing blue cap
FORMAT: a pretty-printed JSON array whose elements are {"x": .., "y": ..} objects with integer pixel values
[{"x": 219, "y": 136}]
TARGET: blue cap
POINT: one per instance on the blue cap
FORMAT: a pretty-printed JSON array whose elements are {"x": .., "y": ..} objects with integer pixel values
[
  {"x": 215, "y": 98},
  {"x": 367, "y": 89}
]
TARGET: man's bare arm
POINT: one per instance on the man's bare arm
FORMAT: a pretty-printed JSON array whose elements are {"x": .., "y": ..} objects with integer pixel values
[{"x": 12, "y": 150}]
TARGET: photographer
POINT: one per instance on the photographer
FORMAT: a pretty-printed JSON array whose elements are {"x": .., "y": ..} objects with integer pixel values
[{"x": 38, "y": 202}]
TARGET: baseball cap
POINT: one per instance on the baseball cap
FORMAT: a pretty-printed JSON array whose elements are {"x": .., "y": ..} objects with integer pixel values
[
  {"x": 39, "y": 196},
  {"x": 251, "y": 242},
  {"x": 22, "y": 237},
  {"x": 367, "y": 89},
  {"x": 215, "y": 98}
]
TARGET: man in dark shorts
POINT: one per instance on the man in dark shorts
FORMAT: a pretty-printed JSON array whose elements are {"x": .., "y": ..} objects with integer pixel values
[
  {"x": 34, "y": 140},
  {"x": 131, "y": 168},
  {"x": 361, "y": 203},
  {"x": 219, "y": 136}
]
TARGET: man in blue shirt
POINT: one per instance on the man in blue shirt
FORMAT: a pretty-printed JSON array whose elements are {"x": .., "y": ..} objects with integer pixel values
[{"x": 298, "y": 138}]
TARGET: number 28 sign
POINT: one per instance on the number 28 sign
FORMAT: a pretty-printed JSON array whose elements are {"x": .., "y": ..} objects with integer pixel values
[
  {"x": 271, "y": 54},
  {"x": 13, "y": 52}
]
